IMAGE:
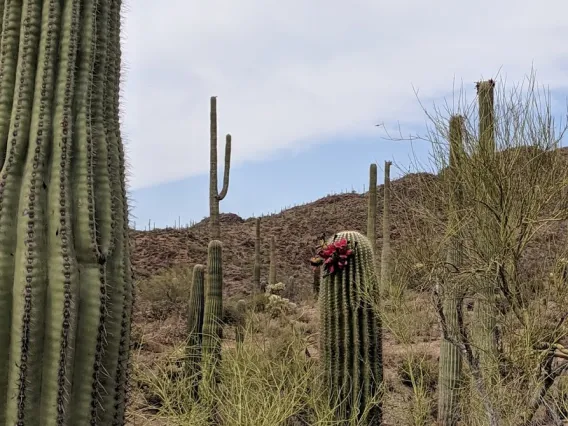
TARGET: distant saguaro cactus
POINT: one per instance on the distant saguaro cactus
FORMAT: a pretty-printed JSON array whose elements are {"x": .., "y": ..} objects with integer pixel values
[
  {"x": 386, "y": 255},
  {"x": 214, "y": 195},
  {"x": 351, "y": 341},
  {"x": 195, "y": 327},
  {"x": 257, "y": 260},
  {"x": 272, "y": 266},
  {"x": 450, "y": 364},
  {"x": 372, "y": 206}
]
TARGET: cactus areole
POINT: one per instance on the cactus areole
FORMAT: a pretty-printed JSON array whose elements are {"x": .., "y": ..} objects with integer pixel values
[
  {"x": 351, "y": 341},
  {"x": 65, "y": 274}
]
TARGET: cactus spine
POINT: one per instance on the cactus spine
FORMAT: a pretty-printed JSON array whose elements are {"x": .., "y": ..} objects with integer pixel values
[
  {"x": 212, "y": 317},
  {"x": 272, "y": 267},
  {"x": 450, "y": 363},
  {"x": 195, "y": 327},
  {"x": 351, "y": 335},
  {"x": 256, "y": 275},
  {"x": 386, "y": 250},
  {"x": 372, "y": 206},
  {"x": 65, "y": 275},
  {"x": 484, "y": 308},
  {"x": 214, "y": 195}
]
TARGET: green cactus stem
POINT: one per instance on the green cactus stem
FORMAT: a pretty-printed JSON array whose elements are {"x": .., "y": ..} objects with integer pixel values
[
  {"x": 372, "y": 206},
  {"x": 450, "y": 364},
  {"x": 351, "y": 336},
  {"x": 213, "y": 315},
  {"x": 214, "y": 195},
  {"x": 195, "y": 327},
  {"x": 66, "y": 290},
  {"x": 386, "y": 255},
  {"x": 272, "y": 266},
  {"x": 257, "y": 260}
]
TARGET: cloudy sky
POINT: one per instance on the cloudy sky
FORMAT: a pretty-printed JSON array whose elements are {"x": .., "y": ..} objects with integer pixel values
[{"x": 301, "y": 85}]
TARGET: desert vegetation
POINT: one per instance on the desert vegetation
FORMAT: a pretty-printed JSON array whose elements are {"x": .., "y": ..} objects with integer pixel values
[{"x": 437, "y": 298}]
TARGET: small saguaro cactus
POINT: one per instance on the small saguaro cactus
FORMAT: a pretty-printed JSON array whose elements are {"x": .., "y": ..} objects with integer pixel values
[
  {"x": 66, "y": 288},
  {"x": 214, "y": 195},
  {"x": 257, "y": 260},
  {"x": 450, "y": 364},
  {"x": 372, "y": 206},
  {"x": 195, "y": 327},
  {"x": 272, "y": 266},
  {"x": 241, "y": 322},
  {"x": 213, "y": 315},
  {"x": 351, "y": 341},
  {"x": 386, "y": 254}
]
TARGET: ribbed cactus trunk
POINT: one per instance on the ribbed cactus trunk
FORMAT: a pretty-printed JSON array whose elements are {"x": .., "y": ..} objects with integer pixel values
[
  {"x": 214, "y": 195},
  {"x": 386, "y": 254},
  {"x": 372, "y": 207},
  {"x": 450, "y": 364},
  {"x": 195, "y": 328},
  {"x": 212, "y": 319},
  {"x": 272, "y": 266},
  {"x": 351, "y": 333},
  {"x": 257, "y": 260},
  {"x": 65, "y": 274},
  {"x": 485, "y": 303}
]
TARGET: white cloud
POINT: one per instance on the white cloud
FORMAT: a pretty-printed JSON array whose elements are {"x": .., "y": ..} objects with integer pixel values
[{"x": 286, "y": 73}]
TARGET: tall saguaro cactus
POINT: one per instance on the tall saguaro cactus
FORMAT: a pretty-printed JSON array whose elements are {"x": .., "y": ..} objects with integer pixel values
[
  {"x": 485, "y": 309},
  {"x": 372, "y": 206},
  {"x": 214, "y": 195},
  {"x": 351, "y": 335},
  {"x": 256, "y": 274},
  {"x": 65, "y": 273},
  {"x": 450, "y": 364},
  {"x": 386, "y": 250}
]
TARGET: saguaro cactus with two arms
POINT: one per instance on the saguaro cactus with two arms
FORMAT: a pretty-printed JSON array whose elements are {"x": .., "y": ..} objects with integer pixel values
[{"x": 214, "y": 195}]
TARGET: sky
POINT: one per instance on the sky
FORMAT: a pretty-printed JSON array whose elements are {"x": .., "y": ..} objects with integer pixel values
[{"x": 301, "y": 86}]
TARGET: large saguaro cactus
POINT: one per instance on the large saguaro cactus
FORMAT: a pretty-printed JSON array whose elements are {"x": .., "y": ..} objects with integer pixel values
[
  {"x": 214, "y": 195},
  {"x": 351, "y": 328},
  {"x": 450, "y": 365},
  {"x": 65, "y": 273}
]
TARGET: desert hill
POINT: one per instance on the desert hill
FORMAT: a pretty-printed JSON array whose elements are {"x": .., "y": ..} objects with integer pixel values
[{"x": 296, "y": 231}]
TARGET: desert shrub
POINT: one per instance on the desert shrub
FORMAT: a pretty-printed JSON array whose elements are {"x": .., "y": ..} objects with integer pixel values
[{"x": 165, "y": 294}]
